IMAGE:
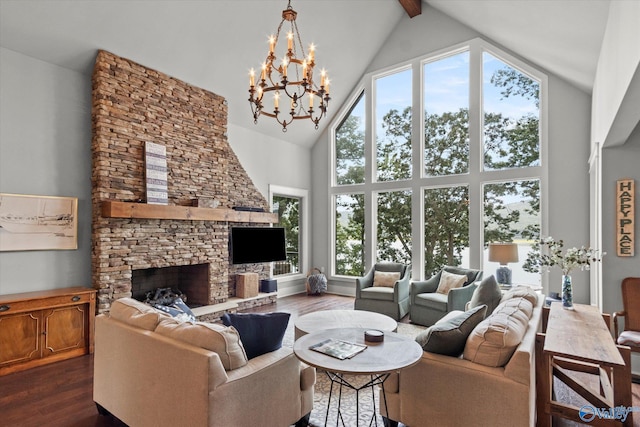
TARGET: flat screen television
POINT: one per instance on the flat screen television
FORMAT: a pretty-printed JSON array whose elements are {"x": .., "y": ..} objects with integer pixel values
[{"x": 257, "y": 244}]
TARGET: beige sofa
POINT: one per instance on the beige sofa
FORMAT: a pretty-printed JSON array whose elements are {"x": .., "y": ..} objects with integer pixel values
[
  {"x": 448, "y": 391},
  {"x": 145, "y": 376}
]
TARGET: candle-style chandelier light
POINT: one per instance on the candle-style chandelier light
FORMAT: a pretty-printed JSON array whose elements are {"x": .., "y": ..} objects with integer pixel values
[{"x": 294, "y": 93}]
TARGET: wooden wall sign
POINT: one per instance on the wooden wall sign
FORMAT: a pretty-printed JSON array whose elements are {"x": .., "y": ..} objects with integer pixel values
[
  {"x": 156, "y": 173},
  {"x": 625, "y": 217}
]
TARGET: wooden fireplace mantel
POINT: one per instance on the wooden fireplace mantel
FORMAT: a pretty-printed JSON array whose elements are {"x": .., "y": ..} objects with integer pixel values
[{"x": 115, "y": 209}]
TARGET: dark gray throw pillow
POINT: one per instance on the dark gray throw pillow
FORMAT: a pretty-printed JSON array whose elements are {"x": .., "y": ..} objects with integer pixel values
[
  {"x": 488, "y": 292},
  {"x": 260, "y": 333},
  {"x": 450, "y": 337}
]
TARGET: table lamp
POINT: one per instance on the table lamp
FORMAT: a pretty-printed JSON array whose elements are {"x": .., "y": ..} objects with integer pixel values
[{"x": 503, "y": 253}]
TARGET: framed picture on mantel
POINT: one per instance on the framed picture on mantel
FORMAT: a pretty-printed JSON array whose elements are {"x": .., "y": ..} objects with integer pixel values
[{"x": 30, "y": 223}]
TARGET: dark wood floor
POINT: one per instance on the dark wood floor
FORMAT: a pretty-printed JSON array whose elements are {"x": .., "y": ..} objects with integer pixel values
[{"x": 60, "y": 394}]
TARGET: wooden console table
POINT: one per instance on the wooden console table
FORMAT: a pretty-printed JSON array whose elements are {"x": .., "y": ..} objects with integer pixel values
[
  {"x": 37, "y": 328},
  {"x": 578, "y": 342}
]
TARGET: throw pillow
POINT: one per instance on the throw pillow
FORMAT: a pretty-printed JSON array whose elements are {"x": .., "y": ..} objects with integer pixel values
[
  {"x": 495, "y": 339},
  {"x": 488, "y": 292},
  {"x": 449, "y": 337},
  {"x": 521, "y": 292},
  {"x": 178, "y": 310},
  {"x": 223, "y": 340},
  {"x": 450, "y": 281},
  {"x": 260, "y": 333},
  {"x": 386, "y": 279},
  {"x": 135, "y": 313}
]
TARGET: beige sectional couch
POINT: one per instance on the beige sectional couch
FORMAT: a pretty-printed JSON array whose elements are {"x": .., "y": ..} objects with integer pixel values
[
  {"x": 149, "y": 370},
  {"x": 466, "y": 391}
]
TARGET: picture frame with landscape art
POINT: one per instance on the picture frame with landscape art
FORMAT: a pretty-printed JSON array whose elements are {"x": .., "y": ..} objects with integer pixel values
[{"x": 29, "y": 222}]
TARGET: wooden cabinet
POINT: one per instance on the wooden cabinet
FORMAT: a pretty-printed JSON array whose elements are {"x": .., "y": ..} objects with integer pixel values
[{"x": 37, "y": 328}]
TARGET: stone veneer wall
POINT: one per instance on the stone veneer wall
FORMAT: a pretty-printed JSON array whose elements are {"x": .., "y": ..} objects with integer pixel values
[{"x": 133, "y": 104}]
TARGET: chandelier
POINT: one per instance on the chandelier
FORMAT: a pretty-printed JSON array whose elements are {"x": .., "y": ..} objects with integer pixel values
[{"x": 294, "y": 93}]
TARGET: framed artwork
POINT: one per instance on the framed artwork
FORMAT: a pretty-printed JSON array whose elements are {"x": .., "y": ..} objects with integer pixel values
[{"x": 30, "y": 223}]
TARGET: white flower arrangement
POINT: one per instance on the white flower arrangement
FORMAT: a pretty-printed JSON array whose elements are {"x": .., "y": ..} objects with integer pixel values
[{"x": 573, "y": 257}]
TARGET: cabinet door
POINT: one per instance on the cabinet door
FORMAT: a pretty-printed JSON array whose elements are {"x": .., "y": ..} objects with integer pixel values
[
  {"x": 20, "y": 337},
  {"x": 65, "y": 329}
]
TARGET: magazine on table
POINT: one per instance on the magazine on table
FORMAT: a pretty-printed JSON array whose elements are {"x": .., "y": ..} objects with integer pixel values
[{"x": 338, "y": 348}]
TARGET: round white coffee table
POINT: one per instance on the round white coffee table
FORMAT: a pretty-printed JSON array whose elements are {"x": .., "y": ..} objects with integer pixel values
[
  {"x": 329, "y": 319},
  {"x": 378, "y": 360}
]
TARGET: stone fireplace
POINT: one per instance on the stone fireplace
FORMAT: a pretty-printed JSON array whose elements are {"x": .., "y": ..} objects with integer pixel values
[{"x": 133, "y": 104}]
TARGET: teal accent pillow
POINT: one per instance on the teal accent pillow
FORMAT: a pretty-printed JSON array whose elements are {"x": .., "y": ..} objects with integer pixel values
[
  {"x": 449, "y": 337},
  {"x": 488, "y": 292},
  {"x": 260, "y": 333}
]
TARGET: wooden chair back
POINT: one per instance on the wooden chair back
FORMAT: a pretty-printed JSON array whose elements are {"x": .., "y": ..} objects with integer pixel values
[{"x": 631, "y": 303}]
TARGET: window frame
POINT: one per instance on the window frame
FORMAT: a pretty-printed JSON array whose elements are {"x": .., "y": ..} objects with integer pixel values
[
  {"x": 304, "y": 245},
  {"x": 474, "y": 179}
]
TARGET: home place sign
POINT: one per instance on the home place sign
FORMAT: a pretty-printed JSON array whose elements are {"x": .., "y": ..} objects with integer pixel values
[{"x": 625, "y": 217}]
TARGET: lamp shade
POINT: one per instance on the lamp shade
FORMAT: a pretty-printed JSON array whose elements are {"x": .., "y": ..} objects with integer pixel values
[{"x": 503, "y": 253}]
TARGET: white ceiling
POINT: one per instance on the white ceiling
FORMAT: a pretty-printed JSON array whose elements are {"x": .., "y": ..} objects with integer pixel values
[{"x": 213, "y": 43}]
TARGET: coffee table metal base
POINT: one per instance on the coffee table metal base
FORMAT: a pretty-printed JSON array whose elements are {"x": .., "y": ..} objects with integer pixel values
[{"x": 338, "y": 378}]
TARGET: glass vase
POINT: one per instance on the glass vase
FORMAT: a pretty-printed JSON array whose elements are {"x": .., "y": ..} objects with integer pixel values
[{"x": 567, "y": 292}]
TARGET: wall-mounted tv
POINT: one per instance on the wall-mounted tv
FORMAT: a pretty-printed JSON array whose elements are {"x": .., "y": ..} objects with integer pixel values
[{"x": 257, "y": 244}]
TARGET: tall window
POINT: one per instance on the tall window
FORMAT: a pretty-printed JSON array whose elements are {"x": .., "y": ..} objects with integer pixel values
[
  {"x": 288, "y": 209},
  {"x": 292, "y": 207},
  {"x": 349, "y": 237},
  {"x": 393, "y": 126},
  {"x": 480, "y": 172},
  {"x": 349, "y": 146}
]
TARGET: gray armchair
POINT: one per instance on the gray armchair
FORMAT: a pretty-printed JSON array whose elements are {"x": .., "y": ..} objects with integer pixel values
[
  {"x": 429, "y": 306},
  {"x": 392, "y": 301}
]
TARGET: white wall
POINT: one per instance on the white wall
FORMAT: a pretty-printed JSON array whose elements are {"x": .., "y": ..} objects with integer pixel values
[
  {"x": 45, "y": 149},
  {"x": 616, "y": 89},
  {"x": 569, "y": 127},
  {"x": 270, "y": 161}
]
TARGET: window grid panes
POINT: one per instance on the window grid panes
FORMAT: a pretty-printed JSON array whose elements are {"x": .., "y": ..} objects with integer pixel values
[
  {"x": 511, "y": 116},
  {"x": 349, "y": 146},
  {"x": 349, "y": 237},
  {"x": 394, "y": 227},
  {"x": 446, "y": 228},
  {"x": 481, "y": 162},
  {"x": 446, "y": 115},
  {"x": 512, "y": 214},
  {"x": 393, "y": 126}
]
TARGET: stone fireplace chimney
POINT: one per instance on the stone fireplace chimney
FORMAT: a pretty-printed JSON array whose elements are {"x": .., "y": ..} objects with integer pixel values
[{"x": 133, "y": 104}]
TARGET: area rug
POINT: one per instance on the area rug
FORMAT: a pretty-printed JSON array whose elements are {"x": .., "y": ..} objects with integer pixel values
[{"x": 348, "y": 402}]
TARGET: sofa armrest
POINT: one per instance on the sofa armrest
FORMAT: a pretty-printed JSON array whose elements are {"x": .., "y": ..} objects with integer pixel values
[
  {"x": 137, "y": 371},
  {"x": 401, "y": 287},
  {"x": 459, "y": 297},
  {"x": 425, "y": 286},
  {"x": 364, "y": 282}
]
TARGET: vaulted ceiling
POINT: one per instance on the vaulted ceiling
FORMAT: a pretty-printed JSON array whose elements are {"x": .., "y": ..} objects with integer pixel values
[{"x": 213, "y": 43}]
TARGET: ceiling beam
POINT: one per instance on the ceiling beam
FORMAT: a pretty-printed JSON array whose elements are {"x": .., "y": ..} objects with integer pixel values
[{"x": 412, "y": 7}]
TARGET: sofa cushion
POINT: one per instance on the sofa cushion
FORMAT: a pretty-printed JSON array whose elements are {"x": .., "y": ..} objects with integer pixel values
[
  {"x": 432, "y": 300},
  {"x": 495, "y": 339},
  {"x": 448, "y": 336},
  {"x": 521, "y": 292},
  {"x": 135, "y": 313},
  {"x": 450, "y": 281},
  {"x": 223, "y": 340},
  {"x": 385, "y": 278},
  {"x": 381, "y": 293},
  {"x": 488, "y": 292},
  {"x": 260, "y": 332}
]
